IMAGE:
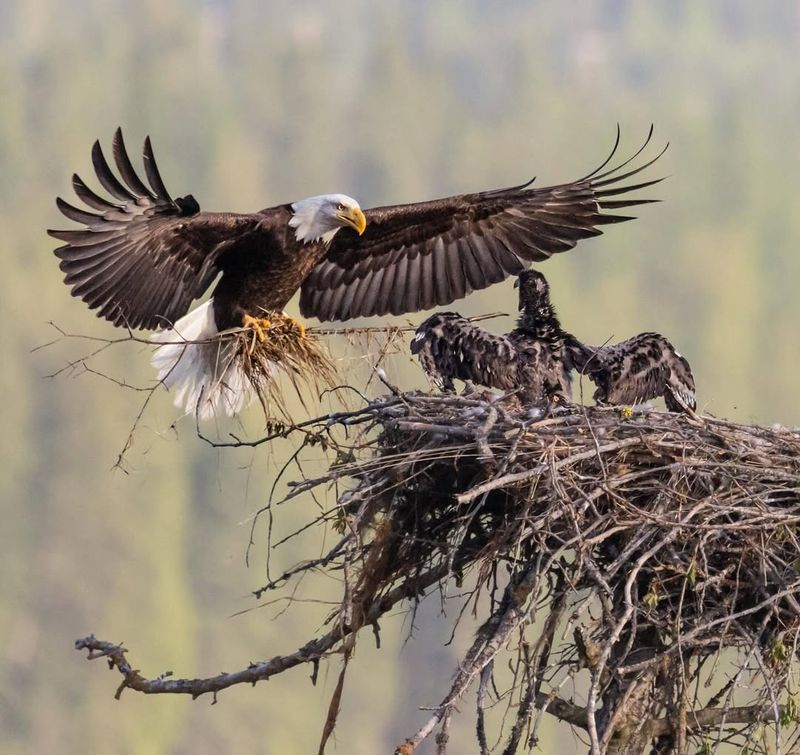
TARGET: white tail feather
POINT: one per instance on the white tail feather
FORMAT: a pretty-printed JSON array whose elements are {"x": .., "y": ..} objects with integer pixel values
[{"x": 204, "y": 372}]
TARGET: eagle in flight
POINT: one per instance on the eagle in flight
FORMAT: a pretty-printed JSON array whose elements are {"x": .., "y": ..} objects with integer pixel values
[{"x": 142, "y": 257}]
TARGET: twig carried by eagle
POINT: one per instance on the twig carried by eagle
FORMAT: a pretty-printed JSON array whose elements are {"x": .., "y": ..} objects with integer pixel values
[
  {"x": 320, "y": 376},
  {"x": 614, "y": 557}
]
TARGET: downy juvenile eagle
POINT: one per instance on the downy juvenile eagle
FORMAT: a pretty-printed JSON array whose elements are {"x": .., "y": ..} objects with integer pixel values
[
  {"x": 532, "y": 360},
  {"x": 537, "y": 357},
  {"x": 142, "y": 257}
]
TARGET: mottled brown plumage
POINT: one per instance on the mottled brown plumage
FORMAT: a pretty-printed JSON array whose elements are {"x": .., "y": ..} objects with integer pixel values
[
  {"x": 636, "y": 370},
  {"x": 532, "y": 359},
  {"x": 641, "y": 368},
  {"x": 537, "y": 357}
]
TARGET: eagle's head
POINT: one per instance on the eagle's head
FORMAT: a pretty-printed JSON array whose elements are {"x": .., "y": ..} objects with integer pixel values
[
  {"x": 534, "y": 290},
  {"x": 321, "y": 217}
]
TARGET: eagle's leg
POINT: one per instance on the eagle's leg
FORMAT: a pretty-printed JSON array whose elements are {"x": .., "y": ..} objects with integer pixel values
[
  {"x": 297, "y": 325},
  {"x": 469, "y": 388},
  {"x": 258, "y": 325}
]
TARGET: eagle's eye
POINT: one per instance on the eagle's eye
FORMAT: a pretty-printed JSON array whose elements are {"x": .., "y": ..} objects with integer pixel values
[{"x": 340, "y": 208}]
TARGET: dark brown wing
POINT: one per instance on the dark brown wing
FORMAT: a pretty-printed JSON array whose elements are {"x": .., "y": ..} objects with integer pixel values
[
  {"x": 142, "y": 256},
  {"x": 417, "y": 256}
]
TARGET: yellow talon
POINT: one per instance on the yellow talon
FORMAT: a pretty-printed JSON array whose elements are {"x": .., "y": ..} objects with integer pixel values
[
  {"x": 626, "y": 412},
  {"x": 301, "y": 329},
  {"x": 259, "y": 325}
]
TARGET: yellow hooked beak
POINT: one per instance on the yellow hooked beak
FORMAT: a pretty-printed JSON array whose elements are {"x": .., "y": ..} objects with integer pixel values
[{"x": 354, "y": 217}]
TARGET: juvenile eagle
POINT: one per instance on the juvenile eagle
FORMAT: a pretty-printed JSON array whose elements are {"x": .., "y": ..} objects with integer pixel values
[
  {"x": 142, "y": 257},
  {"x": 641, "y": 368},
  {"x": 532, "y": 359}
]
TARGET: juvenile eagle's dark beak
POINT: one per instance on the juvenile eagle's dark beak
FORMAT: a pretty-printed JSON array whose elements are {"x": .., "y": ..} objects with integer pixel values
[
  {"x": 516, "y": 283},
  {"x": 354, "y": 217}
]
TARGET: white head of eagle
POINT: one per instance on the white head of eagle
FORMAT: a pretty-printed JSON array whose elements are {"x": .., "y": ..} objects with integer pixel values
[{"x": 321, "y": 217}]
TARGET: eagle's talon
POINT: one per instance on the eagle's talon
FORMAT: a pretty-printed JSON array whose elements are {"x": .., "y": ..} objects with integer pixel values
[
  {"x": 257, "y": 325},
  {"x": 297, "y": 325}
]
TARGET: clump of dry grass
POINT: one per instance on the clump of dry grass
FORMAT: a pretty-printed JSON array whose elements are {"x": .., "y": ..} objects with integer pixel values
[{"x": 299, "y": 355}]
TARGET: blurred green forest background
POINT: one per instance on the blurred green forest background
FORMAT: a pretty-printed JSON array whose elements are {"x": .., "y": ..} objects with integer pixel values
[{"x": 250, "y": 104}]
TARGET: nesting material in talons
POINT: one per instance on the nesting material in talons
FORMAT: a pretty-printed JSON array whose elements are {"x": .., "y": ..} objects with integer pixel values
[{"x": 286, "y": 349}]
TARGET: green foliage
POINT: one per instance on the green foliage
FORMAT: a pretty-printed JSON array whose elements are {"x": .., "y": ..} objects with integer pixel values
[{"x": 251, "y": 104}]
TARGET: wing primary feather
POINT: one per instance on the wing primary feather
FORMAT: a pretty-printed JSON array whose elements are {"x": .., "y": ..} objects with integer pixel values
[
  {"x": 125, "y": 167},
  {"x": 79, "y": 216},
  {"x": 82, "y": 238},
  {"x": 625, "y": 189},
  {"x": 153, "y": 176},
  {"x": 615, "y": 204},
  {"x": 598, "y": 175},
  {"x": 110, "y": 182},
  {"x": 612, "y": 177},
  {"x": 611, "y": 219},
  {"x": 607, "y": 160},
  {"x": 86, "y": 195}
]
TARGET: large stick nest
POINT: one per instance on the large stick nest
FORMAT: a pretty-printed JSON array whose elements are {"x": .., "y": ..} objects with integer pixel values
[
  {"x": 658, "y": 539},
  {"x": 471, "y": 483},
  {"x": 638, "y": 571}
]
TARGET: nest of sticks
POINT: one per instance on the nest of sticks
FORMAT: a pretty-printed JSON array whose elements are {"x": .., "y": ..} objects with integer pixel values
[
  {"x": 640, "y": 545},
  {"x": 633, "y": 574}
]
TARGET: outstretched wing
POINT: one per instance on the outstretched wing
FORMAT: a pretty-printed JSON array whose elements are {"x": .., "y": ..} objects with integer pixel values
[
  {"x": 417, "y": 256},
  {"x": 639, "y": 369},
  {"x": 451, "y": 347},
  {"x": 142, "y": 256}
]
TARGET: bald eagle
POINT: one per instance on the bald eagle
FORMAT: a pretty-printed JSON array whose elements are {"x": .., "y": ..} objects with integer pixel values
[
  {"x": 531, "y": 360},
  {"x": 636, "y": 370},
  {"x": 142, "y": 257}
]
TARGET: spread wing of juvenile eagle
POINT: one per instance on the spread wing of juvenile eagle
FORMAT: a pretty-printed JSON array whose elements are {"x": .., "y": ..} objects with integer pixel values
[
  {"x": 451, "y": 347},
  {"x": 638, "y": 369},
  {"x": 419, "y": 256}
]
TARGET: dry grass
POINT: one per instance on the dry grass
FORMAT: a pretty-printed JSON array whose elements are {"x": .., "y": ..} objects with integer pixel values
[{"x": 301, "y": 357}]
